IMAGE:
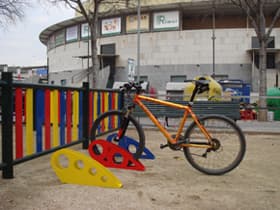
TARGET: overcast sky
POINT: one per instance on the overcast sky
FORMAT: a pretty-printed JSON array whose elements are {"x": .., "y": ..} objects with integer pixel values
[{"x": 20, "y": 44}]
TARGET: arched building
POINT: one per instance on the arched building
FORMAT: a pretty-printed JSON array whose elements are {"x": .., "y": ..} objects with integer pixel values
[{"x": 179, "y": 40}]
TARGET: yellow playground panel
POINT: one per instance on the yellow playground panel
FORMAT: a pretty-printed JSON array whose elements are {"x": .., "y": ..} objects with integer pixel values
[{"x": 73, "y": 167}]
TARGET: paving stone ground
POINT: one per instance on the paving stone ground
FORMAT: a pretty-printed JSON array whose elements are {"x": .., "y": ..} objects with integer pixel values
[{"x": 168, "y": 182}]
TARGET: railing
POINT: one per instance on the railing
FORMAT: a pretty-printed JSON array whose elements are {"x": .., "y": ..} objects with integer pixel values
[
  {"x": 40, "y": 119},
  {"x": 79, "y": 76}
]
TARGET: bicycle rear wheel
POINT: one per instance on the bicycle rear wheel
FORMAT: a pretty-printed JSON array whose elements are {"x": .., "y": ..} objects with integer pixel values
[
  {"x": 107, "y": 125},
  {"x": 229, "y": 138}
]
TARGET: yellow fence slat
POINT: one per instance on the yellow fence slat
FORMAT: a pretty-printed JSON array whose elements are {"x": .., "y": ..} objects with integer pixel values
[
  {"x": 95, "y": 95},
  {"x": 30, "y": 147},
  {"x": 54, "y": 116},
  {"x": 75, "y": 114}
]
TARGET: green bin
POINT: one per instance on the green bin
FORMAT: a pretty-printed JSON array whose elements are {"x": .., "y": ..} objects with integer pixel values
[{"x": 274, "y": 103}]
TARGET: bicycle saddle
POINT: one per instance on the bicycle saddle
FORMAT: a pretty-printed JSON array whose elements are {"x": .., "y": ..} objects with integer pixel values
[{"x": 202, "y": 84}]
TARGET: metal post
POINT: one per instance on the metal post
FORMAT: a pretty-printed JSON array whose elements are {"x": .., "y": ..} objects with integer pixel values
[
  {"x": 85, "y": 115},
  {"x": 255, "y": 76},
  {"x": 277, "y": 80},
  {"x": 88, "y": 60},
  {"x": 138, "y": 39},
  {"x": 213, "y": 36},
  {"x": 7, "y": 126}
]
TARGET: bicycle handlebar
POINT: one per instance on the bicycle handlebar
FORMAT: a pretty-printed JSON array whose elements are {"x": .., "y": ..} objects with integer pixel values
[
  {"x": 130, "y": 85},
  {"x": 200, "y": 87}
]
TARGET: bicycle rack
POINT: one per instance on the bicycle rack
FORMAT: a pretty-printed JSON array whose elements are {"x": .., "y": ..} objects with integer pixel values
[
  {"x": 126, "y": 142},
  {"x": 111, "y": 155}
]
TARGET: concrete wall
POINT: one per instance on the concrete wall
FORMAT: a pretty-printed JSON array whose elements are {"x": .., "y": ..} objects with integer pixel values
[
  {"x": 185, "y": 47},
  {"x": 65, "y": 57}
]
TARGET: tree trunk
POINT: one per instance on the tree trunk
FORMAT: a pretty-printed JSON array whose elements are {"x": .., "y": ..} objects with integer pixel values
[
  {"x": 94, "y": 56},
  {"x": 263, "y": 38},
  {"x": 262, "y": 88},
  {"x": 94, "y": 60}
]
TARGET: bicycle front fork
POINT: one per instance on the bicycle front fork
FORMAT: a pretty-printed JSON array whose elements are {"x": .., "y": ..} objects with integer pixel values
[{"x": 122, "y": 129}]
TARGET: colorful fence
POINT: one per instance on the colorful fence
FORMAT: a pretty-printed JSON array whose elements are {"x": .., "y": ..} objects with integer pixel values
[{"x": 46, "y": 118}]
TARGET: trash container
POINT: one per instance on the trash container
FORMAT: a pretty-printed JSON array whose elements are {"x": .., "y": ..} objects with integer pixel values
[
  {"x": 274, "y": 103},
  {"x": 237, "y": 88}
]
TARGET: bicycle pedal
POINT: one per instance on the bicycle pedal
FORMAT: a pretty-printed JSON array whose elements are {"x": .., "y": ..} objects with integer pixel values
[{"x": 162, "y": 146}]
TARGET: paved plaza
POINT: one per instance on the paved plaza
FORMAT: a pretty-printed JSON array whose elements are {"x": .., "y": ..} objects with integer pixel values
[{"x": 168, "y": 182}]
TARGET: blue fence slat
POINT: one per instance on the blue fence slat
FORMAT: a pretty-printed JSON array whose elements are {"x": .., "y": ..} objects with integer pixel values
[
  {"x": 39, "y": 118},
  {"x": 62, "y": 117}
]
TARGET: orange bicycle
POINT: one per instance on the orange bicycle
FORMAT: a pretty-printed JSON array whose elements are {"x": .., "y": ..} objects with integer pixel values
[{"x": 212, "y": 144}]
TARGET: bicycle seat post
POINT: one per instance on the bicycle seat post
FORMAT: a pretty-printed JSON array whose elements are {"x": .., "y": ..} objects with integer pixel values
[
  {"x": 194, "y": 92},
  {"x": 200, "y": 87}
]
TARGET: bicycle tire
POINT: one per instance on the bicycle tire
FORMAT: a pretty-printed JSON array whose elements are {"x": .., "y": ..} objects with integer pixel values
[
  {"x": 134, "y": 131},
  {"x": 232, "y": 145}
]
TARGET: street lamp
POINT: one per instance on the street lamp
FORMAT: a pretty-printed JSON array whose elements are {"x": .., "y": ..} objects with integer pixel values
[
  {"x": 138, "y": 39},
  {"x": 88, "y": 60},
  {"x": 213, "y": 36}
]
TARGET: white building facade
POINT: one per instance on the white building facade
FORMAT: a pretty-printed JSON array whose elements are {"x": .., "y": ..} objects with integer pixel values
[{"x": 178, "y": 41}]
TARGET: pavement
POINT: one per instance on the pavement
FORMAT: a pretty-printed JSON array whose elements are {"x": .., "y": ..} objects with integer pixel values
[{"x": 254, "y": 126}]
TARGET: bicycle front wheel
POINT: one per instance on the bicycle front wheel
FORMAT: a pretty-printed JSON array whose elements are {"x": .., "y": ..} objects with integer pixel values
[
  {"x": 107, "y": 126},
  {"x": 230, "y": 143}
]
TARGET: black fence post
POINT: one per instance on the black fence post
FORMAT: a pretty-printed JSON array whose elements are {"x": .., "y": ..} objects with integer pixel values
[
  {"x": 7, "y": 125},
  {"x": 85, "y": 115},
  {"x": 122, "y": 105}
]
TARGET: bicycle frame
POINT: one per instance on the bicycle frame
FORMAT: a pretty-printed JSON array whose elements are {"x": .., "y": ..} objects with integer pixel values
[{"x": 187, "y": 111}]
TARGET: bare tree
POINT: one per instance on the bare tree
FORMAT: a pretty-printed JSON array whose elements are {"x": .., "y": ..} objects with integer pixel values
[
  {"x": 11, "y": 10},
  {"x": 255, "y": 11},
  {"x": 90, "y": 10}
]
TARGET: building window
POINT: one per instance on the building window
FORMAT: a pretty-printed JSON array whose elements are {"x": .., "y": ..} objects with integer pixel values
[
  {"x": 51, "y": 42},
  {"x": 60, "y": 38},
  {"x": 108, "y": 49},
  {"x": 178, "y": 78},
  {"x": 270, "y": 57},
  {"x": 256, "y": 45},
  {"x": 85, "y": 31},
  {"x": 72, "y": 34},
  {"x": 270, "y": 60}
]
